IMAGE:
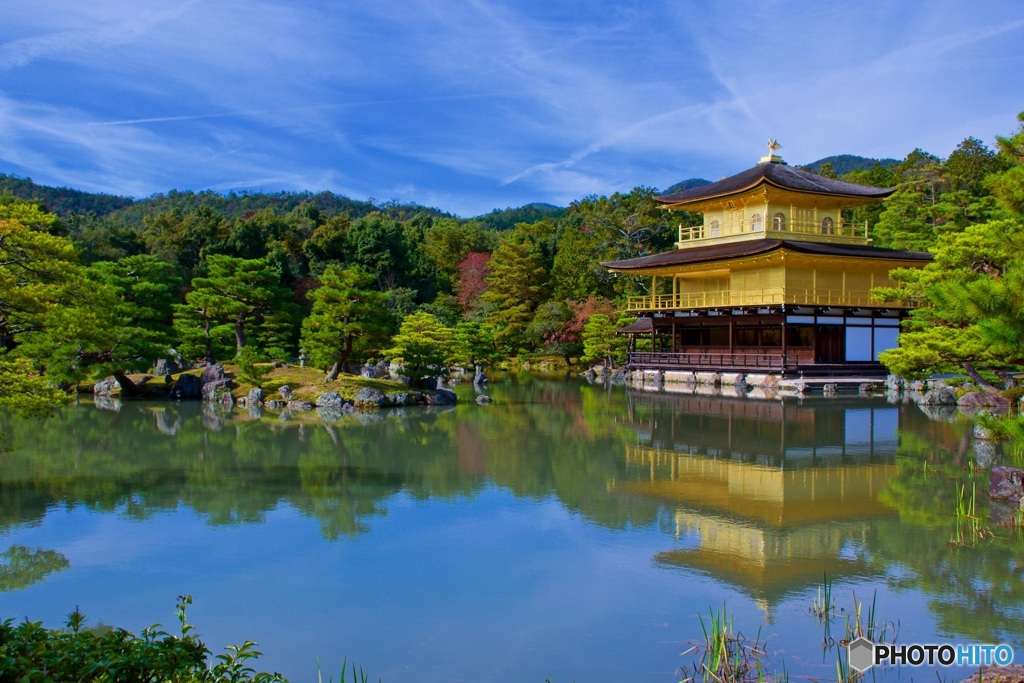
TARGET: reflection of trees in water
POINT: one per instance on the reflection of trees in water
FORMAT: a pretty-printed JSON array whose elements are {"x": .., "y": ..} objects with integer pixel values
[
  {"x": 544, "y": 439},
  {"x": 977, "y": 591},
  {"x": 21, "y": 566},
  {"x": 540, "y": 439}
]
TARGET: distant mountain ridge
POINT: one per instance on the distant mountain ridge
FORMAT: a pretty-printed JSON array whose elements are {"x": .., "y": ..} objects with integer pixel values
[
  {"x": 65, "y": 201},
  {"x": 689, "y": 184},
  {"x": 62, "y": 200},
  {"x": 844, "y": 163},
  {"x": 506, "y": 219},
  {"x": 841, "y": 164}
]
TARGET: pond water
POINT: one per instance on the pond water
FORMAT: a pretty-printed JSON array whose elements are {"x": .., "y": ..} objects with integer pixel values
[{"x": 567, "y": 532}]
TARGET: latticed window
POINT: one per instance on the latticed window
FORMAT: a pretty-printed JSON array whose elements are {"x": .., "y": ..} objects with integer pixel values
[
  {"x": 755, "y": 222},
  {"x": 826, "y": 225},
  {"x": 803, "y": 219},
  {"x": 779, "y": 221}
]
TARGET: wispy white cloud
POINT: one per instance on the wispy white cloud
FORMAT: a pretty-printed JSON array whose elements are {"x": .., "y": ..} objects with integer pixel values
[
  {"x": 88, "y": 32},
  {"x": 472, "y": 101}
]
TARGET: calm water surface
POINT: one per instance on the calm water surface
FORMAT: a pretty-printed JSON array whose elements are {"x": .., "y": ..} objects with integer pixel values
[{"x": 567, "y": 532}]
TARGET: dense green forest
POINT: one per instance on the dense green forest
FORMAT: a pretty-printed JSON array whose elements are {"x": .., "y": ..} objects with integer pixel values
[
  {"x": 111, "y": 283},
  {"x": 841, "y": 164}
]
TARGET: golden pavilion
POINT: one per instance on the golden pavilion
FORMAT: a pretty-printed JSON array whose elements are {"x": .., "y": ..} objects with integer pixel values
[{"x": 774, "y": 280}]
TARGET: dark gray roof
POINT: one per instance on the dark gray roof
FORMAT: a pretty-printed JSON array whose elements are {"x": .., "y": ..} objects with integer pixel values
[
  {"x": 781, "y": 175},
  {"x": 639, "y": 326},
  {"x": 718, "y": 252}
]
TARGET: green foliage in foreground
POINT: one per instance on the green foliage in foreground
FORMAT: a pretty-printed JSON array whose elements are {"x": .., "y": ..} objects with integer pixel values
[
  {"x": 22, "y": 390},
  {"x": 29, "y": 653}
]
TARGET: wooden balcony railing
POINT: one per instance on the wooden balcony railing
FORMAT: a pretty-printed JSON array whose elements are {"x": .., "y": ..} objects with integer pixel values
[
  {"x": 710, "y": 360},
  {"x": 756, "y": 298},
  {"x": 791, "y": 363},
  {"x": 844, "y": 231}
]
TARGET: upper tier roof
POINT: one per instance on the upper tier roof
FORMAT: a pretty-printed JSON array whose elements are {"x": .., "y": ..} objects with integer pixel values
[
  {"x": 780, "y": 175},
  {"x": 717, "y": 252}
]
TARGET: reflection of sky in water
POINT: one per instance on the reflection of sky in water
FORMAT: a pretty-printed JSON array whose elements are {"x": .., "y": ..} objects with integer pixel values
[{"x": 491, "y": 585}]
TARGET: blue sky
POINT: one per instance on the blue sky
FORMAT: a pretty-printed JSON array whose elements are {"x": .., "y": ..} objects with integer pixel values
[{"x": 470, "y": 105}]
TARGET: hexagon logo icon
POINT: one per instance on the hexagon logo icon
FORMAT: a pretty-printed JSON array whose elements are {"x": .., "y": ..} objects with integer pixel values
[{"x": 860, "y": 654}]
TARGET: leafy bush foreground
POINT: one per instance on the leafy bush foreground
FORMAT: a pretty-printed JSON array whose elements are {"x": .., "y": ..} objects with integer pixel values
[{"x": 30, "y": 653}]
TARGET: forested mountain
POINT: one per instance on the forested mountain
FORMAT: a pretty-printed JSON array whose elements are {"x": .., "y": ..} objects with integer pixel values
[
  {"x": 506, "y": 219},
  {"x": 845, "y": 163},
  {"x": 115, "y": 282},
  {"x": 235, "y": 205},
  {"x": 838, "y": 165},
  {"x": 126, "y": 211},
  {"x": 62, "y": 200},
  {"x": 689, "y": 184}
]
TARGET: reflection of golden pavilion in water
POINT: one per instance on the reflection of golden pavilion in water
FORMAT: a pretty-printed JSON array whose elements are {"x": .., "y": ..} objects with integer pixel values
[{"x": 767, "y": 496}]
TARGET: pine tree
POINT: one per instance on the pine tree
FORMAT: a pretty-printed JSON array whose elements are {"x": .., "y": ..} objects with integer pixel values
[
  {"x": 422, "y": 343},
  {"x": 243, "y": 295},
  {"x": 349, "y": 318}
]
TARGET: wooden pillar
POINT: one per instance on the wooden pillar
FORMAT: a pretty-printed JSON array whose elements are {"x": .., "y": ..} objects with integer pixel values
[
  {"x": 673, "y": 349},
  {"x": 732, "y": 333},
  {"x": 785, "y": 346}
]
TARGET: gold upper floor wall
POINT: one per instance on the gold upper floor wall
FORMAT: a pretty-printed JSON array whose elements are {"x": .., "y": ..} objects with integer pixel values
[
  {"x": 775, "y": 214},
  {"x": 773, "y": 279}
]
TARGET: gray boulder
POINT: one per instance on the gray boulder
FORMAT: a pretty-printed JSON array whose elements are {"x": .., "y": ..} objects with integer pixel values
[
  {"x": 212, "y": 373},
  {"x": 483, "y": 400},
  {"x": 300, "y": 405},
  {"x": 212, "y": 390},
  {"x": 939, "y": 396},
  {"x": 831, "y": 390},
  {"x": 107, "y": 387},
  {"x": 441, "y": 397},
  {"x": 984, "y": 400},
  {"x": 274, "y": 404},
  {"x": 400, "y": 399},
  {"x": 370, "y": 398},
  {"x": 479, "y": 377},
  {"x": 330, "y": 399},
  {"x": 286, "y": 392},
  {"x": 186, "y": 388},
  {"x": 255, "y": 397},
  {"x": 894, "y": 383},
  {"x": 1006, "y": 483},
  {"x": 164, "y": 366},
  {"x": 369, "y": 371},
  {"x": 429, "y": 383}
]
